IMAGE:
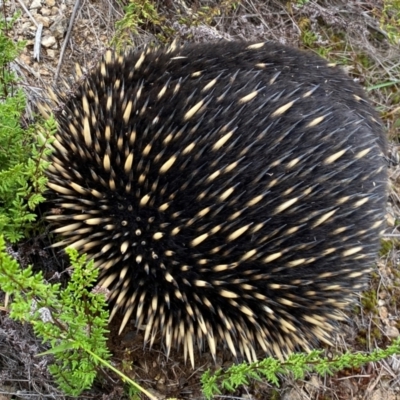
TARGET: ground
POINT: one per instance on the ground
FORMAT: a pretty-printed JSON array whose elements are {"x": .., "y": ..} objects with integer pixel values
[{"x": 361, "y": 35}]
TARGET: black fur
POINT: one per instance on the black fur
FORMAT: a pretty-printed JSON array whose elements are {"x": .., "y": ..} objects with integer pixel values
[{"x": 290, "y": 300}]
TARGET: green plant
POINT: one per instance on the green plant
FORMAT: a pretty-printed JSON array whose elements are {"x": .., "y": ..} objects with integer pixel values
[
  {"x": 307, "y": 36},
  {"x": 72, "y": 321},
  {"x": 9, "y": 50},
  {"x": 301, "y": 3},
  {"x": 297, "y": 365},
  {"x": 137, "y": 13},
  {"x": 390, "y": 20},
  {"x": 22, "y": 165}
]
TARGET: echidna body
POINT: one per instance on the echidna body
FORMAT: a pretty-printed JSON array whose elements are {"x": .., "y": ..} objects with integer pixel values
[{"x": 229, "y": 193}]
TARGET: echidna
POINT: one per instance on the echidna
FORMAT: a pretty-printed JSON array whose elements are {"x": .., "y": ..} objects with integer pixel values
[{"x": 229, "y": 193}]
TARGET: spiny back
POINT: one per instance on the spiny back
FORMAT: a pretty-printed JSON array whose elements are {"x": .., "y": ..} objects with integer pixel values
[{"x": 228, "y": 192}]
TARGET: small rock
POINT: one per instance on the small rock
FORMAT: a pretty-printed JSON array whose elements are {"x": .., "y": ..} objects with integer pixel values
[
  {"x": 50, "y": 3},
  {"x": 51, "y": 53},
  {"x": 48, "y": 41},
  {"x": 25, "y": 58},
  {"x": 383, "y": 312},
  {"x": 392, "y": 331},
  {"x": 43, "y": 20},
  {"x": 25, "y": 26},
  {"x": 59, "y": 27},
  {"x": 383, "y": 294},
  {"x": 36, "y": 4},
  {"x": 45, "y": 11},
  {"x": 31, "y": 31},
  {"x": 381, "y": 303}
]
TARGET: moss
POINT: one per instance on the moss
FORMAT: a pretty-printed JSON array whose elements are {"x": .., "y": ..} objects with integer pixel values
[
  {"x": 369, "y": 302},
  {"x": 386, "y": 247}
]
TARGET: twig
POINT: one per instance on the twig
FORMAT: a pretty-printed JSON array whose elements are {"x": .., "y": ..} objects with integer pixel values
[
  {"x": 36, "y": 47},
  {"x": 28, "y": 13},
  {"x": 38, "y": 36},
  {"x": 64, "y": 46},
  {"x": 28, "y": 68}
]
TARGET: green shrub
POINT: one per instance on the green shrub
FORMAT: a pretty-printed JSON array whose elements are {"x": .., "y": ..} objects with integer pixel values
[
  {"x": 71, "y": 321},
  {"x": 22, "y": 180}
]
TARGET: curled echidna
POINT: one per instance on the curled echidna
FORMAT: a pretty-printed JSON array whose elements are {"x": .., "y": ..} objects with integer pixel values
[{"x": 228, "y": 192}]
